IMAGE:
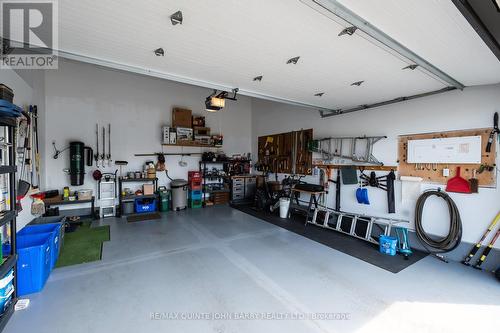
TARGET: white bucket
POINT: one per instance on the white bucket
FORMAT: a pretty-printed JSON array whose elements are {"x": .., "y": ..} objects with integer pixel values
[{"x": 284, "y": 206}]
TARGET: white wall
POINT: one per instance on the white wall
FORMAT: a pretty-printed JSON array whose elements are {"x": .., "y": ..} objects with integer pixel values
[
  {"x": 471, "y": 108},
  {"x": 80, "y": 95}
]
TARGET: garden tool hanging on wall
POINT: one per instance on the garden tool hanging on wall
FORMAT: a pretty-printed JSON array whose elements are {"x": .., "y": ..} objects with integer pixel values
[
  {"x": 337, "y": 189},
  {"x": 108, "y": 156},
  {"x": 96, "y": 155},
  {"x": 103, "y": 155},
  {"x": 385, "y": 183}
]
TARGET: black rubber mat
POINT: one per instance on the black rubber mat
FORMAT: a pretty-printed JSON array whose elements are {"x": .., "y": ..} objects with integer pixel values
[
  {"x": 358, "y": 248},
  {"x": 143, "y": 217}
]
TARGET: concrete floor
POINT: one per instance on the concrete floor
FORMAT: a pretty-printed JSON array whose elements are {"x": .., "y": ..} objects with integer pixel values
[{"x": 219, "y": 265}]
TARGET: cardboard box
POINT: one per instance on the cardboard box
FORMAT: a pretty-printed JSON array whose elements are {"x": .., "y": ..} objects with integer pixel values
[
  {"x": 198, "y": 121},
  {"x": 182, "y": 118},
  {"x": 201, "y": 130},
  {"x": 203, "y": 139},
  {"x": 166, "y": 135},
  {"x": 172, "y": 136},
  {"x": 184, "y": 134},
  {"x": 148, "y": 189}
]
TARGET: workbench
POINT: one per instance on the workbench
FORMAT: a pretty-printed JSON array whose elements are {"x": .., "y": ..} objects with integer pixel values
[
  {"x": 314, "y": 198},
  {"x": 59, "y": 201}
]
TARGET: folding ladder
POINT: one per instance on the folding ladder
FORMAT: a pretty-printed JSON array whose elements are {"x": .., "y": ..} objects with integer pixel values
[
  {"x": 365, "y": 227},
  {"x": 351, "y": 149}
]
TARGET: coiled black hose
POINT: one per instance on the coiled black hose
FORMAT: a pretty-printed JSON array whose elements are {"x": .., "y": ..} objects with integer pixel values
[{"x": 436, "y": 244}]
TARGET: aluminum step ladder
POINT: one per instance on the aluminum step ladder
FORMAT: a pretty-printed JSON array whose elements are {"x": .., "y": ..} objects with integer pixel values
[
  {"x": 350, "y": 149},
  {"x": 365, "y": 227}
]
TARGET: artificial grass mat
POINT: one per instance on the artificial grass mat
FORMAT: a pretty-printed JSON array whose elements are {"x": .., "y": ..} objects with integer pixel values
[{"x": 83, "y": 245}]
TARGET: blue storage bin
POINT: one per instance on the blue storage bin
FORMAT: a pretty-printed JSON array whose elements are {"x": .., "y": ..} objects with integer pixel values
[
  {"x": 145, "y": 205},
  {"x": 388, "y": 245},
  {"x": 54, "y": 229},
  {"x": 33, "y": 263}
]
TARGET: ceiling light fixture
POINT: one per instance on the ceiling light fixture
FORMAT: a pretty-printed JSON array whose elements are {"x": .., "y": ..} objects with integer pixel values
[
  {"x": 357, "y": 83},
  {"x": 217, "y": 101},
  {"x": 258, "y": 78},
  {"x": 176, "y": 18},
  {"x": 412, "y": 67},
  {"x": 159, "y": 52},
  {"x": 497, "y": 4},
  {"x": 293, "y": 61},
  {"x": 319, "y": 94},
  {"x": 348, "y": 31}
]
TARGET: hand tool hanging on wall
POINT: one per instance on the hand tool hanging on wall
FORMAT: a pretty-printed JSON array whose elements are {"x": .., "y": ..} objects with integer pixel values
[
  {"x": 478, "y": 245},
  {"x": 96, "y": 155},
  {"x": 108, "y": 157},
  {"x": 23, "y": 185},
  {"x": 103, "y": 155},
  {"x": 495, "y": 130},
  {"x": 458, "y": 184},
  {"x": 120, "y": 165},
  {"x": 385, "y": 183},
  {"x": 337, "y": 190},
  {"x": 36, "y": 145}
]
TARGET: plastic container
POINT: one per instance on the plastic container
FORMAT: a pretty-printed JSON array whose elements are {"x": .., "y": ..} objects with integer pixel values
[
  {"x": 55, "y": 241},
  {"x": 145, "y": 205},
  {"x": 197, "y": 203},
  {"x": 6, "y": 283},
  {"x": 164, "y": 200},
  {"x": 388, "y": 245},
  {"x": 33, "y": 263},
  {"x": 128, "y": 207},
  {"x": 84, "y": 194},
  {"x": 179, "y": 194},
  {"x": 6, "y": 290},
  {"x": 6, "y": 93},
  {"x": 195, "y": 195},
  {"x": 284, "y": 206},
  {"x": 195, "y": 184}
]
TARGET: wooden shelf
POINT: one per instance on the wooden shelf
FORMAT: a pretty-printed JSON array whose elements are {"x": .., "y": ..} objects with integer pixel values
[
  {"x": 192, "y": 145},
  {"x": 141, "y": 196},
  {"x": 359, "y": 167}
]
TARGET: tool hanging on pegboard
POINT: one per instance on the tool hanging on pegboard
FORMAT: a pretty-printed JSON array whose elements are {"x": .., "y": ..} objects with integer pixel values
[{"x": 495, "y": 130}]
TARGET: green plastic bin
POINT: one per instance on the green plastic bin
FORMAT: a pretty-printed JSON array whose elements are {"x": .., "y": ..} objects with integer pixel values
[{"x": 164, "y": 199}]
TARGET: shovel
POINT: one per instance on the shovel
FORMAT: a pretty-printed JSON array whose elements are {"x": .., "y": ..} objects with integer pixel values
[{"x": 458, "y": 184}]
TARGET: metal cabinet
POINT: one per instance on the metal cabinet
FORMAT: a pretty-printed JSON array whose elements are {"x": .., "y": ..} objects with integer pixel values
[{"x": 243, "y": 188}]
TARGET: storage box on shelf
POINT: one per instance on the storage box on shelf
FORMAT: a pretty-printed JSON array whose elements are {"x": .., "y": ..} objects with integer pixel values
[{"x": 182, "y": 118}]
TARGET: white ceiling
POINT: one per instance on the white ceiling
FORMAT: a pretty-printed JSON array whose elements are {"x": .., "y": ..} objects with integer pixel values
[{"x": 228, "y": 43}]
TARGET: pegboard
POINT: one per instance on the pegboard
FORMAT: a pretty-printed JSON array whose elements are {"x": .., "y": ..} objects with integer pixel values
[
  {"x": 433, "y": 173},
  {"x": 276, "y": 150}
]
